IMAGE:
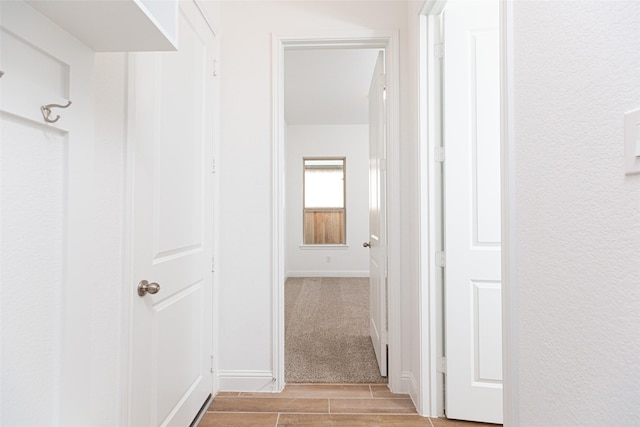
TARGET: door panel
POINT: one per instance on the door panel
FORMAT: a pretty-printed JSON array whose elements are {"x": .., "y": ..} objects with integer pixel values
[
  {"x": 179, "y": 354},
  {"x": 486, "y": 321},
  {"x": 172, "y": 135},
  {"x": 377, "y": 216},
  {"x": 473, "y": 324},
  {"x": 485, "y": 131}
]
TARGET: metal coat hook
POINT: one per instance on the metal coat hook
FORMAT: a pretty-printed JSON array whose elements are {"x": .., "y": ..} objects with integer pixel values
[{"x": 46, "y": 111}]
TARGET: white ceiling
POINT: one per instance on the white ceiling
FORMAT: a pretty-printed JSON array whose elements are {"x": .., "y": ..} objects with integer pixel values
[{"x": 327, "y": 86}]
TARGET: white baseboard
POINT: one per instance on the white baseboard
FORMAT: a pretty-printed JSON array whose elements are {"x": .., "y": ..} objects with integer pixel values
[
  {"x": 410, "y": 386},
  {"x": 327, "y": 274},
  {"x": 250, "y": 381}
]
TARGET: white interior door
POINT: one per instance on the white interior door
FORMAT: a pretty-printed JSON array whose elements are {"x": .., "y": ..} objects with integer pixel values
[
  {"x": 473, "y": 322},
  {"x": 45, "y": 216},
  {"x": 377, "y": 215},
  {"x": 172, "y": 141}
]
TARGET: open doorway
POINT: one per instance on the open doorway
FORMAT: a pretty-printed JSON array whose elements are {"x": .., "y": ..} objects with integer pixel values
[
  {"x": 327, "y": 202},
  {"x": 283, "y": 133}
]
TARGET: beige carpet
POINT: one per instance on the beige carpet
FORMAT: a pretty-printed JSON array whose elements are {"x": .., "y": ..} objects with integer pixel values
[{"x": 327, "y": 331}]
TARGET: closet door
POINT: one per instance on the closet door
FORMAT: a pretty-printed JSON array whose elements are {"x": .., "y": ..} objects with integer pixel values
[
  {"x": 473, "y": 283},
  {"x": 171, "y": 137}
]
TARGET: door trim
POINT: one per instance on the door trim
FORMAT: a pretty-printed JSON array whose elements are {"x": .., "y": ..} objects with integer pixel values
[
  {"x": 431, "y": 328},
  {"x": 389, "y": 42},
  {"x": 431, "y": 279},
  {"x": 510, "y": 365}
]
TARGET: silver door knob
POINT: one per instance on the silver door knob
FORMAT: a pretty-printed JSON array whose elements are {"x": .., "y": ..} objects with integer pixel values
[
  {"x": 145, "y": 287},
  {"x": 366, "y": 244}
]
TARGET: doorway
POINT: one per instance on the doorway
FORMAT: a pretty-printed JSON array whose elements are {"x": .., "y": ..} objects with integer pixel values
[
  {"x": 327, "y": 308},
  {"x": 281, "y": 46}
]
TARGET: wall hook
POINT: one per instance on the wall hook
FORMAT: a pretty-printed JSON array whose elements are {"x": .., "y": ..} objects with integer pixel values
[{"x": 46, "y": 111}]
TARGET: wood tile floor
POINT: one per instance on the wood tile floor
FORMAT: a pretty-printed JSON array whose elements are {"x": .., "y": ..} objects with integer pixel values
[{"x": 321, "y": 405}]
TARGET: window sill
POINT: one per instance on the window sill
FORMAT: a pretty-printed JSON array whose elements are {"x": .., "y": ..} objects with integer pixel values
[{"x": 325, "y": 247}]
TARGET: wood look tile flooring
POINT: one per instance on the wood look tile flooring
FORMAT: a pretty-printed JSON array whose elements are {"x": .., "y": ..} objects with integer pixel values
[{"x": 321, "y": 405}]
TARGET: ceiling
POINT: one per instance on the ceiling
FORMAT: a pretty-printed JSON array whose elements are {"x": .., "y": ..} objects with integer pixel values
[{"x": 327, "y": 86}]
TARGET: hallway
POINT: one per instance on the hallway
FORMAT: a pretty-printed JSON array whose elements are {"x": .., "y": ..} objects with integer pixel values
[
  {"x": 321, "y": 405},
  {"x": 327, "y": 337}
]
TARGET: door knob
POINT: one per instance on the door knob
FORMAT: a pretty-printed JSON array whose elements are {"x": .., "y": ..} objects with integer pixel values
[
  {"x": 366, "y": 244},
  {"x": 145, "y": 287}
]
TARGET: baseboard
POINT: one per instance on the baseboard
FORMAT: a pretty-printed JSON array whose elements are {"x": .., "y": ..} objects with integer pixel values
[
  {"x": 410, "y": 386},
  {"x": 251, "y": 381},
  {"x": 327, "y": 274}
]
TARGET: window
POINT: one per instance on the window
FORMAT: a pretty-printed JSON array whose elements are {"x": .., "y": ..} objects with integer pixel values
[{"x": 324, "y": 201}]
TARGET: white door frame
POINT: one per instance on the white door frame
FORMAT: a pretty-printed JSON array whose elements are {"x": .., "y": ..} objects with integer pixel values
[
  {"x": 431, "y": 309},
  {"x": 431, "y": 326},
  {"x": 389, "y": 42}
]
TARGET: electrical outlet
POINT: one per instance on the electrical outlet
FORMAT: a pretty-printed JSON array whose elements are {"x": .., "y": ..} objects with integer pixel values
[{"x": 328, "y": 259}]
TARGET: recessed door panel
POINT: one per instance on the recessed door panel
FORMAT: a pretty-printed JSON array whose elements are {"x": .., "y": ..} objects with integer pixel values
[
  {"x": 179, "y": 351},
  {"x": 487, "y": 330},
  {"x": 179, "y": 150},
  {"x": 485, "y": 131}
]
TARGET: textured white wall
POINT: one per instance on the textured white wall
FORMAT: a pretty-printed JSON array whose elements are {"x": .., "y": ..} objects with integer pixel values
[
  {"x": 245, "y": 164},
  {"x": 352, "y": 142},
  {"x": 576, "y": 71}
]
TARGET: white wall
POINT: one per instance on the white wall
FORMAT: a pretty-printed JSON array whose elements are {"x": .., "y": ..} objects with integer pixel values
[
  {"x": 108, "y": 287},
  {"x": 576, "y": 71},
  {"x": 245, "y": 169},
  {"x": 352, "y": 142}
]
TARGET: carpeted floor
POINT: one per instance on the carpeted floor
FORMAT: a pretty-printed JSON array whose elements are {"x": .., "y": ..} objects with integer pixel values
[{"x": 327, "y": 331}]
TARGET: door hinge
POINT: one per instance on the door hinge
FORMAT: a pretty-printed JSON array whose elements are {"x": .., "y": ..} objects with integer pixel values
[
  {"x": 213, "y": 165},
  {"x": 441, "y": 260},
  {"x": 441, "y": 365},
  {"x": 438, "y": 50},
  {"x": 439, "y": 154},
  {"x": 213, "y": 264},
  {"x": 215, "y": 68},
  {"x": 212, "y": 370}
]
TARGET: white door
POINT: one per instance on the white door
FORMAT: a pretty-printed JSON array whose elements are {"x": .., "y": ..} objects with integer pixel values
[
  {"x": 377, "y": 215},
  {"x": 45, "y": 205},
  {"x": 473, "y": 322},
  {"x": 172, "y": 140}
]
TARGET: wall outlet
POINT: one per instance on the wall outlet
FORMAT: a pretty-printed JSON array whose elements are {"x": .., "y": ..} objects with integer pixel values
[{"x": 328, "y": 259}]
